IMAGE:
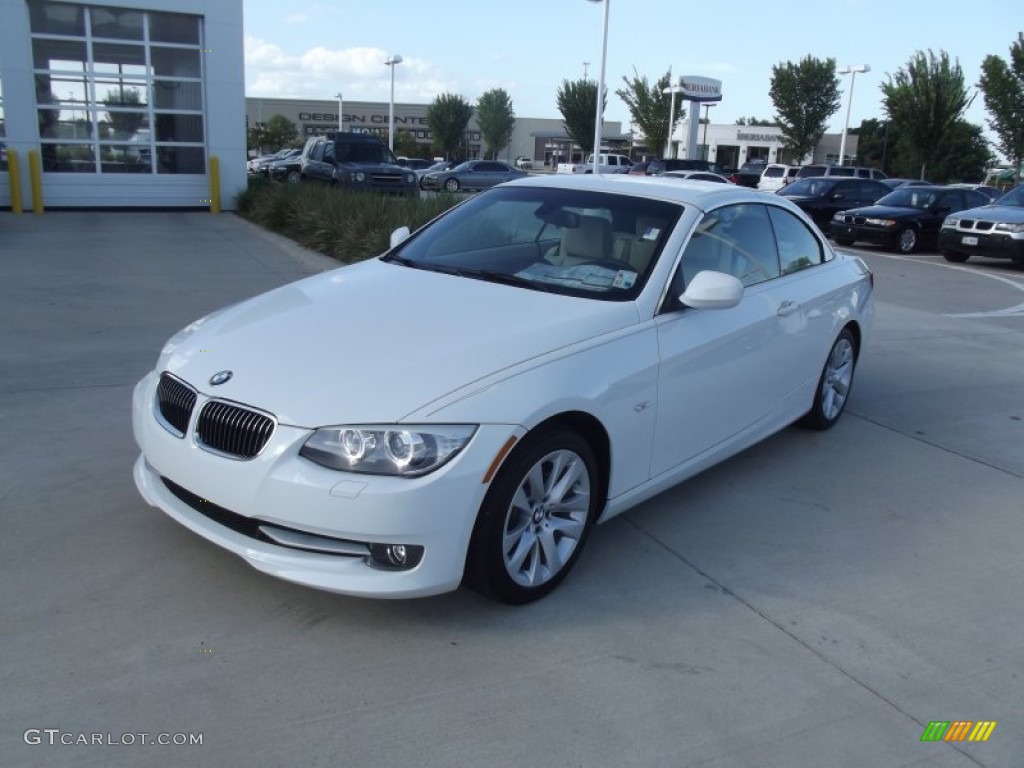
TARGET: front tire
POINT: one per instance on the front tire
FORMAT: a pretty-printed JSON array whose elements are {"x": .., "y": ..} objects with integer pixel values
[
  {"x": 293, "y": 177},
  {"x": 451, "y": 185},
  {"x": 956, "y": 258},
  {"x": 535, "y": 518},
  {"x": 906, "y": 240},
  {"x": 834, "y": 385}
]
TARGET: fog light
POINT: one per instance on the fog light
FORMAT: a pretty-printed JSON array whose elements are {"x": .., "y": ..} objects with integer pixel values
[{"x": 395, "y": 557}]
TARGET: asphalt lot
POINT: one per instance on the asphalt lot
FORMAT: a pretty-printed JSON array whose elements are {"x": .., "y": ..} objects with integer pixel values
[{"x": 815, "y": 601}]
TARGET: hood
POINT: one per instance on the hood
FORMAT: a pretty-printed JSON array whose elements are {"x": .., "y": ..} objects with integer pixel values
[
  {"x": 999, "y": 213},
  {"x": 375, "y": 341},
  {"x": 886, "y": 212},
  {"x": 374, "y": 167}
]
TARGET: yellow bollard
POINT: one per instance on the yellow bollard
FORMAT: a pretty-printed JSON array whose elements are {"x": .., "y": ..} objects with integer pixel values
[
  {"x": 35, "y": 177},
  {"x": 14, "y": 177},
  {"x": 214, "y": 184}
]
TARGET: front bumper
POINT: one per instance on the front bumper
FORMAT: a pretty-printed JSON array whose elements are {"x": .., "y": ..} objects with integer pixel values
[
  {"x": 977, "y": 243},
  {"x": 862, "y": 233},
  {"x": 279, "y": 488}
]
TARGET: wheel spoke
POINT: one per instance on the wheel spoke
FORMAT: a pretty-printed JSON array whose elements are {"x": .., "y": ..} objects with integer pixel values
[
  {"x": 569, "y": 527},
  {"x": 565, "y": 481},
  {"x": 522, "y": 543},
  {"x": 552, "y": 557},
  {"x": 534, "y": 484}
]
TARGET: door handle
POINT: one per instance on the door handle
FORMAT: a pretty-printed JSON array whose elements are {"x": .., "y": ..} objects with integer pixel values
[{"x": 787, "y": 308}]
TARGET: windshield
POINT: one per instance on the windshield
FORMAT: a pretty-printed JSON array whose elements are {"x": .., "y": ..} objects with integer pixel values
[
  {"x": 1013, "y": 197},
  {"x": 921, "y": 198},
  {"x": 573, "y": 242},
  {"x": 364, "y": 152},
  {"x": 808, "y": 187}
]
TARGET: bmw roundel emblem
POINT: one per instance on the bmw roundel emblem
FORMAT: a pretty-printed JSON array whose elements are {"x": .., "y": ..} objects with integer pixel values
[{"x": 220, "y": 377}]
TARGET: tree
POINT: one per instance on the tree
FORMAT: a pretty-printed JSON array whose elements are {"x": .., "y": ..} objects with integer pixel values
[
  {"x": 650, "y": 108},
  {"x": 1003, "y": 87},
  {"x": 805, "y": 96},
  {"x": 926, "y": 99},
  {"x": 577, "y": 101},
  {"x": 755, "y": 121},
  {"x": 448, "y": 115},
  {"x": 405, "y": 144},
  {"x": 278, "y": 132},
  {"x": 496, "y": 118},
  {"x": 124, "y": 125}
]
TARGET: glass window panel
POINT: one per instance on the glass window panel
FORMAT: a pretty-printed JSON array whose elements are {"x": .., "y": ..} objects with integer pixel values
[
  {"x": 115, "y": 22},
  {"x": 174, "y": 28},
  {"x": 3, "y": 133},
  {"x": 170, "y": 94},
  {"x": 119, "y": 59},
  {"x": 113, "y": 92},
  {"x": 175, "y": 62},
  {"x": 68, "y": 123},
  {"x": 66, "y": 55},
  {"x": 61, "y": 90},
  {"x": 125, "y": 158},
  {"x": 123, "y": 125},
  {"x": 57, "y": 19},
  {"x": 180, "y": 160},
  {"x": 68, "y": 158},
  {"x": 179, "y": 127}
]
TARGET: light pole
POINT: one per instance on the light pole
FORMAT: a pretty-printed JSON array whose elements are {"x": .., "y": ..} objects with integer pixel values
[
  {"x": 600, "y": 86},
  {"x": 673, "y": 89},
  {"x": 707, "y": 109},
  {"x": 585, "y": 65},
  {"x": 391, "y": 62},
  {"x": 341, "y": 109},
  {"x": 851, "y": 70}
]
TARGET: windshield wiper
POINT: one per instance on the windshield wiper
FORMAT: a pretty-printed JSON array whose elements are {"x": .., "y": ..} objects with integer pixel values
[{"x": 503, "y": 278}]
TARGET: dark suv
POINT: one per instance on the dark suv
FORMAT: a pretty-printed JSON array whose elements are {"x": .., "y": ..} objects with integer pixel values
[
  {"x": 660, "y": 166},
  {"x": 356, "y": 161}
]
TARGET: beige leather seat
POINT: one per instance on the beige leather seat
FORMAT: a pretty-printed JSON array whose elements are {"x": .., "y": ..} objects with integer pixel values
[{"x": 590, "y": 241}]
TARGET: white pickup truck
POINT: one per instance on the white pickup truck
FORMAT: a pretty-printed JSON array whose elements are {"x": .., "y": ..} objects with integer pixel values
[{"x": 605, "y": 164}]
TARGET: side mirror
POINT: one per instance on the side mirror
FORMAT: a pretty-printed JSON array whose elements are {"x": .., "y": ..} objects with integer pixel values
[
  {"x": 399, "y": 236},
  {"x": 712, "y": 290}
]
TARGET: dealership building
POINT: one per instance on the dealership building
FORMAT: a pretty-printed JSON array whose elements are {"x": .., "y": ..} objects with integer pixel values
[{"x": 121, "y": 104}]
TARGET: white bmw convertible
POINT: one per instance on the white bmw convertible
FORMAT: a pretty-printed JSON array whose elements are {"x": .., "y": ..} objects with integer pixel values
[{"x": 466, "y": 407}]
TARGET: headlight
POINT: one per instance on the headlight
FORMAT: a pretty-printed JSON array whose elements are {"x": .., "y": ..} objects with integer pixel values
[
  {"x": 359, "y": 176},
  {"x": 1013, "y": 227},
  {"x": 390, "y": 449},
  {"x": 838, "y": 215},
  {"x": 880, "y": 222},
  {"x": 951, "y": 221},
  {"x": 410, "y": 178}
]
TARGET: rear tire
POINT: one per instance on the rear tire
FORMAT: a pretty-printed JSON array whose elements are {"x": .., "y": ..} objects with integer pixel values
[
  {"x": 833, "y": 390},
  {"x": 535, "y": 518}
]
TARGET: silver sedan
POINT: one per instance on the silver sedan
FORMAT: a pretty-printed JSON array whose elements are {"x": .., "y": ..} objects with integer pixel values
[{"x": 474, "y": 174}]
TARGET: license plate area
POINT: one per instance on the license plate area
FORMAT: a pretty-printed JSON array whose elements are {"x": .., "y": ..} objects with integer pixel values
[{"x": 969, "y": 240}]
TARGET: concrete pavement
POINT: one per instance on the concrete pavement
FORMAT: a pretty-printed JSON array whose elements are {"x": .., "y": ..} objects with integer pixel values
[{"x": 815, "y": 601}]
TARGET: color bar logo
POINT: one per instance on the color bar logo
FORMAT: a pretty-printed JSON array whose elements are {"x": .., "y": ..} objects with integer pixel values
[{"x": 959, "y": 730}]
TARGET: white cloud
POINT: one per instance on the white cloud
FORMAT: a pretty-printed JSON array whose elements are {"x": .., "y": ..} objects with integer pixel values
[
  {"x": 296, "y": 18},
  {"x": 320, "y": 72}
]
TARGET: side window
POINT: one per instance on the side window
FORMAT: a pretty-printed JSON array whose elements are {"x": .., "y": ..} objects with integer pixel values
[
  {"x": 845, "y": 191},
  {"x": 737, "y": 240},
  {"x": 329, "y": 152},
  {"x": 317, "y": 152},
  {"x": 798, "y": 247}
]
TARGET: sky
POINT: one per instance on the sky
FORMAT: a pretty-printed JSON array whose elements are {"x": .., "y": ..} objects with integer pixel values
[{"x": 528, "y": 47}]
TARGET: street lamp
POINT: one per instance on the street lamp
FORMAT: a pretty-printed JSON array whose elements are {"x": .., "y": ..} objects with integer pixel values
[
  {"x": 707, "y": 109},
  {"x": 391, "y": 62},
  {"x": 341, "y": 108},
  {"x": 851, "y": 70},
  {"x": 673, "y": 89},
  {"x": 600, "y": 86}
]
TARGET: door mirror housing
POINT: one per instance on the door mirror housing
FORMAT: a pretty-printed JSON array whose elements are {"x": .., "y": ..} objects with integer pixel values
[
  {"x": 712, "y": 290},
  {"x": 399, "y": 236}
]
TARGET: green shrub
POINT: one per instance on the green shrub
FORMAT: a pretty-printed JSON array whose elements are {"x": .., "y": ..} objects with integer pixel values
[{"x": 348, "y": 226}]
